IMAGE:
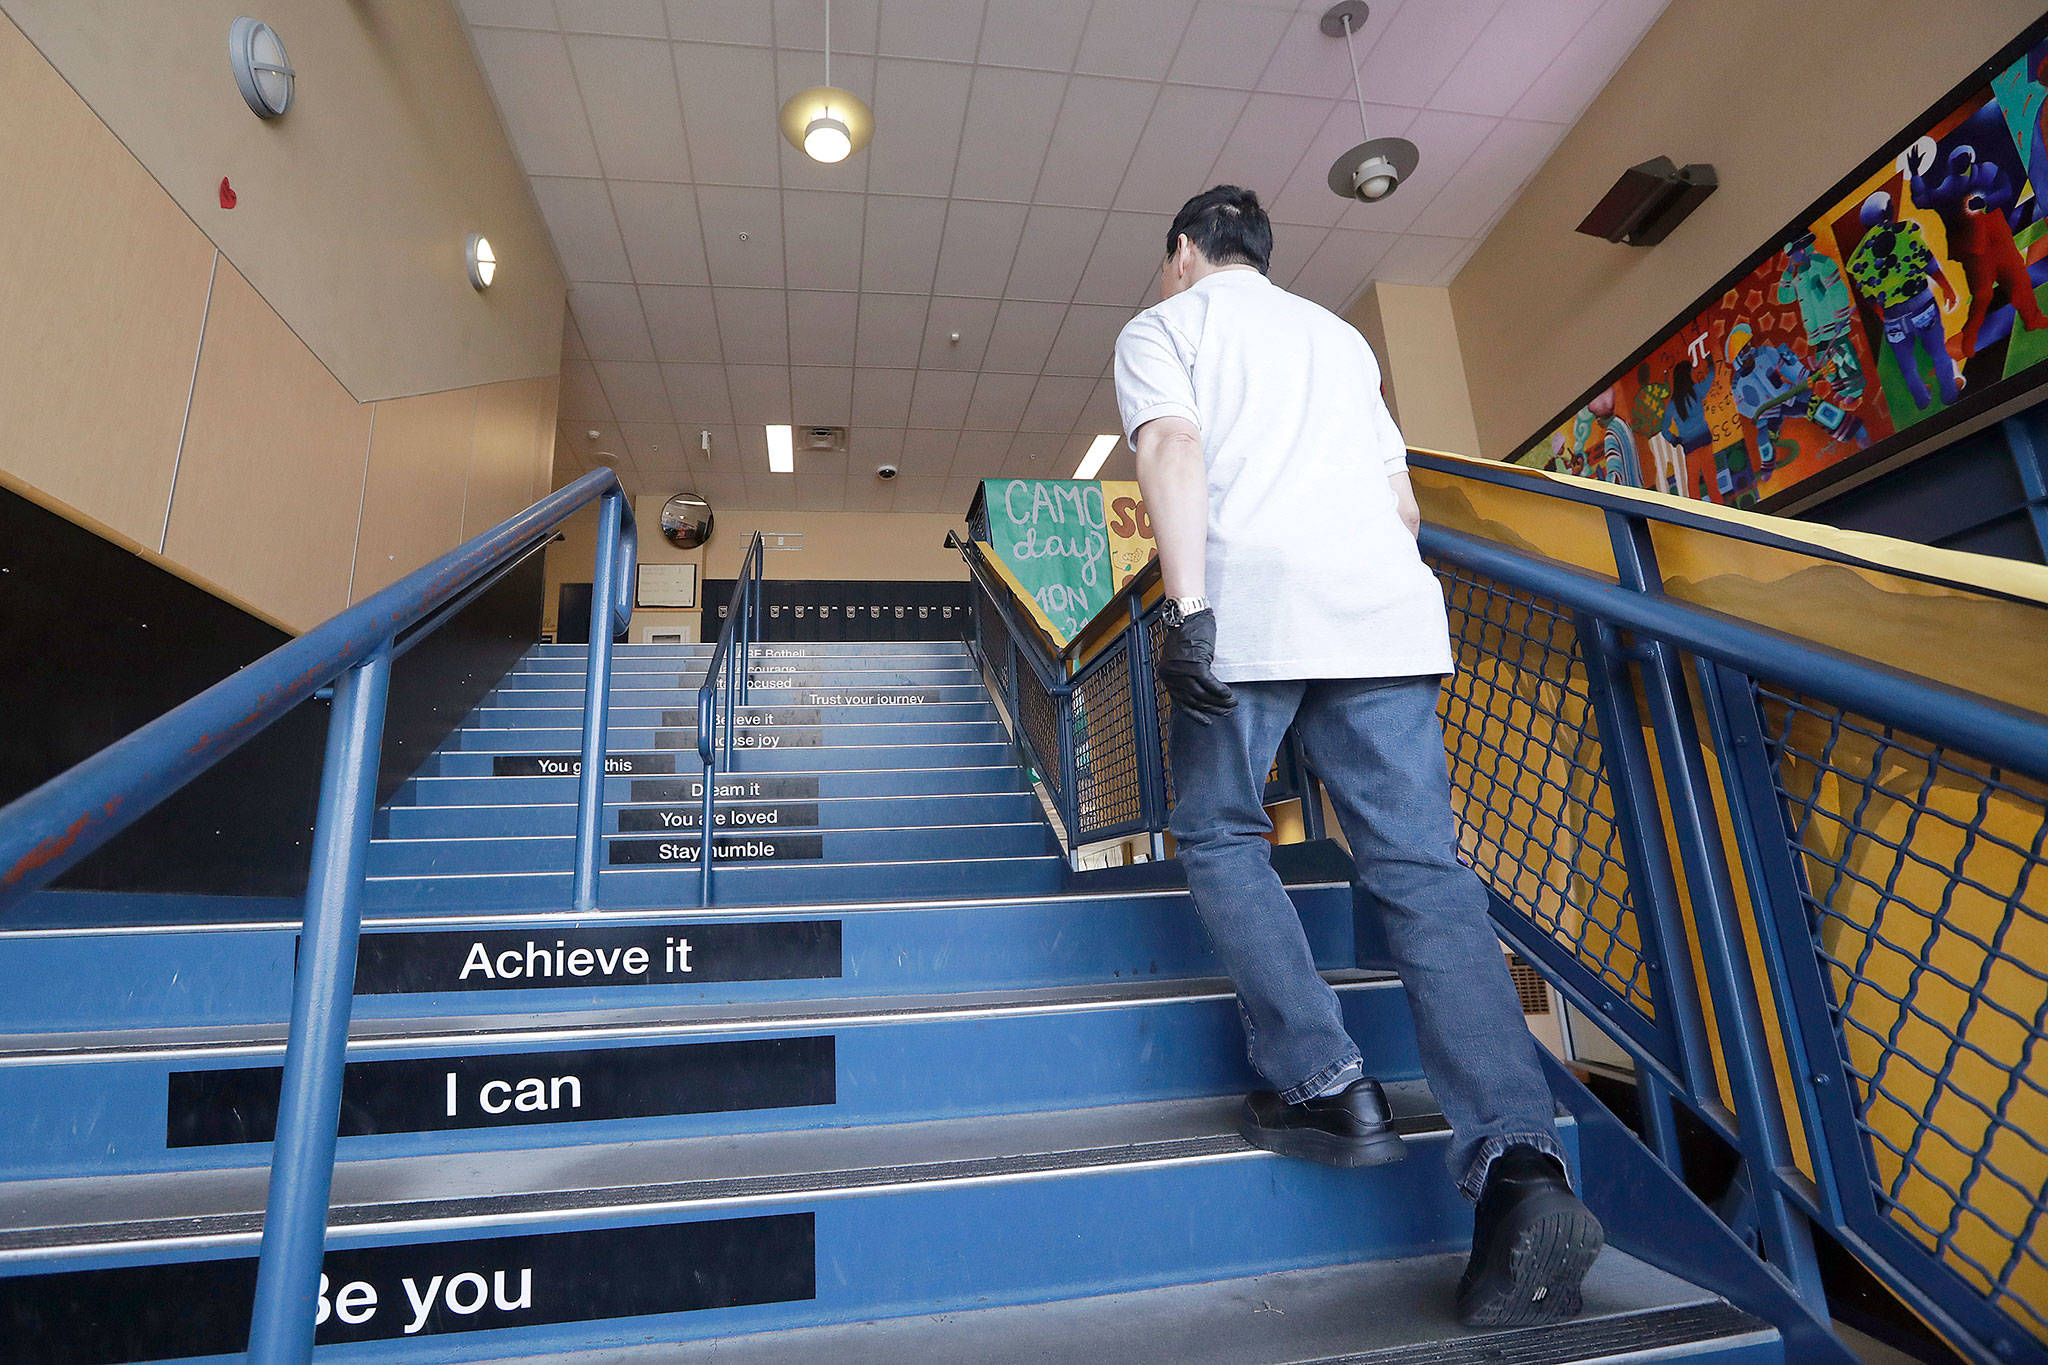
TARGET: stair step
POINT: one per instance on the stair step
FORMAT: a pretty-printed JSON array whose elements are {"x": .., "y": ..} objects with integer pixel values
[
  {"x": 650, "y": 717},
  {"x": 671, "y": 690},
  {"x": 846, "y": 812},
  {"x": 647, "y": 759},
  {"x": 747, "y": 873},
  {"x": 171, "y": 974},
  {"x": 675, "y": 730},
  {"x": 397, "y": 857},
  {"x": 1323, "y": 1315},
  {"x": 781, "y": 650},
  {"x": 851, "y": 673},
  {"x": 484, "y": 790},
  {"x": 189, "y": 1099},
  {"x": 722, "y": 1235}
]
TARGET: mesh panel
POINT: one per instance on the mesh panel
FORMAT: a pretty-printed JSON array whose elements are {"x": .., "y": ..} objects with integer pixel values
[
  {"x": 1041, "y": 723},
  {"x": 1920, "y": 865},
  {"x": 1155, "y": 635},
  {"x": 995, "y": 639},
  {"x": 1110, "y": 793},
  {"x": 1530, "y": 986},
  {"x": 1536, "y": 818}
]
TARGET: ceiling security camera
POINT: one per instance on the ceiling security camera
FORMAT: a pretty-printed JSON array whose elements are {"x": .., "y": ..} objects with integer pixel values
[{"x": 887, "y": 471}]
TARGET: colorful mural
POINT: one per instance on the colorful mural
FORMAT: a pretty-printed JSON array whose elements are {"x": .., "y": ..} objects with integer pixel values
[{"x": 1902, "y": 303}]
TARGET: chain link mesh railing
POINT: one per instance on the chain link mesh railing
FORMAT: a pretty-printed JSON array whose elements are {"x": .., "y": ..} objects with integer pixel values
[
  {"x": 1536, "y": 818},
  {"x": 1155, "y": 639},
  {"x": 1927, "y": 904},
  {"x": 1109, "y": 787},
  {"x": 994, "y": 635},
  {"x": 1040, "y": 721}
]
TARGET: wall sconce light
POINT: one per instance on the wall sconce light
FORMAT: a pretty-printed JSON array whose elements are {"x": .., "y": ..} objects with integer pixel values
[
  {"x": 483, "y": 262},
  {"x": 262, "y": 70}
]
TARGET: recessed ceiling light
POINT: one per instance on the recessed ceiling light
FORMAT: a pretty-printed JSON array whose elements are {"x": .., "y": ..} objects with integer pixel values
[
  {"x": 781, "y": 451},
  {"x": 1098, "y": 451}
]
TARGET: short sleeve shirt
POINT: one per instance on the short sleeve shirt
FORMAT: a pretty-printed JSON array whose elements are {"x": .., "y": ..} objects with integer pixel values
[{"x": 1310, "y": 569}]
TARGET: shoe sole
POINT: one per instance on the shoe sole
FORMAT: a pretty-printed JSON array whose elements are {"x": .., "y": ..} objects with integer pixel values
[
  {"x": 1534, "y": 1271},
  {"x": 1325, "y": 1149}
]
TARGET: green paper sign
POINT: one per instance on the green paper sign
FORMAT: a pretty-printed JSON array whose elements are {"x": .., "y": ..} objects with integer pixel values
[{"x": 1051, "y": 534}]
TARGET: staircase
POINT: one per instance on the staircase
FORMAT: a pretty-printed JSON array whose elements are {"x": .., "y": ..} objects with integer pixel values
[{"x": 910, "y": 1090}]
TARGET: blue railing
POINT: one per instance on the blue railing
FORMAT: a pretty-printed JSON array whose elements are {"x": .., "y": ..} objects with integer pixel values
[
  {"x": 49, "y": 830},
  {"x": 715, "y": 727},
  {"x": 1746, "y": 855}
]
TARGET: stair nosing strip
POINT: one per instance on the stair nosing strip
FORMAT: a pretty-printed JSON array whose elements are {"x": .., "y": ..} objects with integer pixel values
[
  {"x": 601, "y": 916},
  {"x": 1564, "y": 1342},
  {"x": 655, "y": 833},
  {"x": 378, "y": 1035}
]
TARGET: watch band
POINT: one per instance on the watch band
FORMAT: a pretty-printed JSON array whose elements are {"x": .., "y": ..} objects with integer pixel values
[{"x": 1179, "y": 609}]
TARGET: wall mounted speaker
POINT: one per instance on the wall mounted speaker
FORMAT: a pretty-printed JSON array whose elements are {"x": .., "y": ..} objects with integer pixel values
[{"x": 1649, "y": 201}]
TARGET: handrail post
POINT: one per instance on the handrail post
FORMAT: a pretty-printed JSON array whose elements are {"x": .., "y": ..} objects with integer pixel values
[
  {"x": 309, "y": 1101},
  {"x": 1766, "y": 1142},
  {"x": 1145, "y": 715},
  {"x": 597, "y": 679}
]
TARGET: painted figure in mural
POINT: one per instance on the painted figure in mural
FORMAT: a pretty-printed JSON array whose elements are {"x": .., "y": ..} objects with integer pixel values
[
  {"x": 1646, "y": 417},
  {"x": 1973, "y": 196},
  {"x": 2022, "y": 93},
  {"x": 1893, "y": 270},
  {"x": 1770, "y": 384},
  {"x": 1827, "y": 312},
  {"x": 1734, "y": 476},
  {"x": 1615, "y": 460}
]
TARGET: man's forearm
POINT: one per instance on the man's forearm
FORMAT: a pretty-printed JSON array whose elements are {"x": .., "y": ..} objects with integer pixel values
[{"x": 1175, "y": 483}]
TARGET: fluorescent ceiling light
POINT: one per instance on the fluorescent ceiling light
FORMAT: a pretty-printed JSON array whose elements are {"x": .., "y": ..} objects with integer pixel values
[
  {"x": 1098, "y": 451},
  {"x": 781, "y": 452}
]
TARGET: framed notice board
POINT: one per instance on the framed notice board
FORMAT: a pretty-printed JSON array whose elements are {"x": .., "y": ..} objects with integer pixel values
[{"x": 666, "y": 587}]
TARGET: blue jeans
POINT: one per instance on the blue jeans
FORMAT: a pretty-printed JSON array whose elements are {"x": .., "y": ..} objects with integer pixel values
[{"x": 1379, "y": 748}]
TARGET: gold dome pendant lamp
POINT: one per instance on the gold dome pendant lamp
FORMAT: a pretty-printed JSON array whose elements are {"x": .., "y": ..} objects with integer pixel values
[{"x": 825, "y": 123}]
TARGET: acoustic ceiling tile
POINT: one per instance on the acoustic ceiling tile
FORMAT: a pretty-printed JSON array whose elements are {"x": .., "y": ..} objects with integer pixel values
[
  {"x": 919, "y": 107},
  {"x": 1227, "y": 45},
  {"x": 729, "y": 111},
  {"x": 658, "y": 222},
  {"x": 821, "y": 235},
  {"x": 683, "y": 323},
  {"x": 940, "y": 398},
  {"x": 1136, "y": 38},
  {"x": 619, "y": 18},
  {"x": 609, "y": 317},
  {"x": 753, "y": 326},
  {"x": 1188, "y": 127},
  {"x": 968, "y": 319},
  {"x": 1053, "y": 252},
  {"x": 1010, "y": 116},
  {"x": 946, "y": 30},
  {"x": 530, "y": 75},
  {"x": 891, "y": 330},
  {"x": 742, "y": 235},
  {"x": 901, "y": 243},
  {"x": 720, "y": 21},
  {"x": 1099, "y": 126},
  {"x": 629, "y": 94},
  {"x": 1045, "y": 33},
  {"x": 881, "y": 398},
  {"x": 979, "y": 245},
  {"x": 579, "y": 218},
  {"x": 697, "y": 396},
  {"x": 1022, "y": 336},
  {"x": 635, "y": 390},
  {"x": 822, "y": 327}
]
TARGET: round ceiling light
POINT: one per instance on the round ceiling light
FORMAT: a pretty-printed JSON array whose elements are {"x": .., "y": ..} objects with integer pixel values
[
  {"x": 1378, "y": 166},
  {"x": 483, "y": 262},
  {"x": 827, "y": 124},
  {"x": 262, "y": 70},
  {"x": 826, "y": 139}
]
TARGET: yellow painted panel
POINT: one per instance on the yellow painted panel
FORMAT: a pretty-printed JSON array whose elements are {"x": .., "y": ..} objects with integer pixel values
[
  {"x": 102, "y": 287},
  {"x": 1525, "y": 519},
  {"x": 271, "y": 480},
  {"x": 412, "y": 496}
]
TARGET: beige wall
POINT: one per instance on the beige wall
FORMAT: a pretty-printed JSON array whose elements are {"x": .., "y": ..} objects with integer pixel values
[
  {"x": 1783, "y": 97},
  {"x": 1421, "y": 366},
  {"x": 880, "y": 546},
  {"x": 151, "y": 393},
  {"x": 354, "y": 208}
]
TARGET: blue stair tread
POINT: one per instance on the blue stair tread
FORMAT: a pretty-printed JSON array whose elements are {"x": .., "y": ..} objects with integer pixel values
[
  {"x": 1320, "y": 1315},
  {"x": 109, "y": 1211}
]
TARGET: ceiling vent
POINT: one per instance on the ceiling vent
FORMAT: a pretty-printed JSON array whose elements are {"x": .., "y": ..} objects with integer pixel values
[{"x": 818, "y": 440}]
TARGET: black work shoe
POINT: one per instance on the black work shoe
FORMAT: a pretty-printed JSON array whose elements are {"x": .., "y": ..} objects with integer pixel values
[
  {"x": 1353, "y": 1127},
  {"x": 1532, "y": 1243}
]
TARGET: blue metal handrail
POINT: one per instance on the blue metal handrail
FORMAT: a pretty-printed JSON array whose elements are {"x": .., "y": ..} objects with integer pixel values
[
  {"x": 1689, "y": 789},
  {"x": 46, "y": 832},
  {"x": 736, "y": 638}
]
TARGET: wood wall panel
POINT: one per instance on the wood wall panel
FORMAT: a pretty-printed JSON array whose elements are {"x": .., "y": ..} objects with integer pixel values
[
  {"x": 271, "y": 480},
  {"x": 353, "y": 208},
  {"x": 412, "y": 495},
  {"x": 514, "y": 422},
  {"x": 102, "y": 287}
]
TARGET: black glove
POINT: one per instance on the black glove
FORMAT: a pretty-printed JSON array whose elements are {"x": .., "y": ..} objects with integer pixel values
[{"x": 1184, "y": 669}]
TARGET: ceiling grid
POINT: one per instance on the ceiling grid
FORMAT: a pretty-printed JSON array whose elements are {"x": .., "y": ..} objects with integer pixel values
[{"x": 1025, "y": 165}]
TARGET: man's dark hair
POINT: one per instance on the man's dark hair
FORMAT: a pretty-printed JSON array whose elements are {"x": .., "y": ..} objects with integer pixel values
[{"x": 1227, "y": 226}]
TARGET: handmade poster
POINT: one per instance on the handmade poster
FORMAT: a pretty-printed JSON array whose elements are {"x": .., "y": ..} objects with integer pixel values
[
  {"x": 1130, "y": 531},
  {"x": 1052, "y": 534},
  {"x": 1906, "y": 301}
]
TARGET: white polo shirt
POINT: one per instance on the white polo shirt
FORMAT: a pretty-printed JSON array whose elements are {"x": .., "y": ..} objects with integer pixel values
[{"x": 1310, "y": 569}]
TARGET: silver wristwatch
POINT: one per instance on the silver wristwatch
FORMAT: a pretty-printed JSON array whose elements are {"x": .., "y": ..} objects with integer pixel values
[{"x": 1178, "y": 609}]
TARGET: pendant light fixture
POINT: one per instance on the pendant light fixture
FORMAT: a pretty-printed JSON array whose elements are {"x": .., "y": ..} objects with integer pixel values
[
  {"x": 825, "y": 123},
  {"x": 1378, "y": 166}
]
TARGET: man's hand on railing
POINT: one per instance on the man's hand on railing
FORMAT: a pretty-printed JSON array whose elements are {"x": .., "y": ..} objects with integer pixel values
[{"x": 1185, "y": 660}]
